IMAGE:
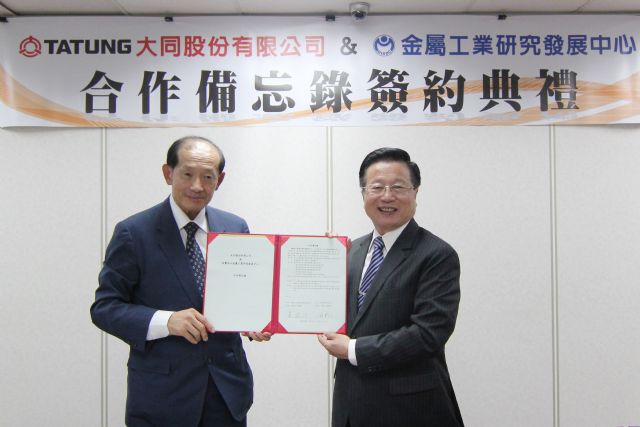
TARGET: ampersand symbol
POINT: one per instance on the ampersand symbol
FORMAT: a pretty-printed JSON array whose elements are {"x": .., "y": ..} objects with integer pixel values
[{"x": 348, "y": 48}]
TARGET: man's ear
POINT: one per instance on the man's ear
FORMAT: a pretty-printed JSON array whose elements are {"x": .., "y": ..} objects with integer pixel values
[
  {"x": 168, "y": 174},
  {"x": 220, "y": 179}
]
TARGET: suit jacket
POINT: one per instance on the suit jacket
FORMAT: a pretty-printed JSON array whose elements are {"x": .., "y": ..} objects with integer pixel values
[
  {"x": 146, "y": 268},
  {"x": 401, "y": 329}
]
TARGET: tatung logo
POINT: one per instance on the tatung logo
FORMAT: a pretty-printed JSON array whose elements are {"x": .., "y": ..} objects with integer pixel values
[
  {"x": 30, "y": 47},
  {"x": 384, "y": 45}
]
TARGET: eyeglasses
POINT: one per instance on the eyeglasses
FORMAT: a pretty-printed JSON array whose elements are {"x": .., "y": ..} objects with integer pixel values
[{"x": 379, "y": 189}]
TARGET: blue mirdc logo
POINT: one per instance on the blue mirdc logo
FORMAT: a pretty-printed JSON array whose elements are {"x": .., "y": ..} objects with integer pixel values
[{"x": 384, "y": 45}]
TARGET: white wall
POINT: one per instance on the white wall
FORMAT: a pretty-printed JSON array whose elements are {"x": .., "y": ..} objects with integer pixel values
[
  {"x": 546, "y": 222},
  {"x": 599, "y": 275},
  {"x": 49, "y": 256}
]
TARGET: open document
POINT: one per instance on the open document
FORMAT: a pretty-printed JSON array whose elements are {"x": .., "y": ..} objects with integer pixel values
[{"x": 276, "y": 283}]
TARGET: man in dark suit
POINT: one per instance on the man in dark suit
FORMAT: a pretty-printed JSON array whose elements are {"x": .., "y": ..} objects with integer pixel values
[
  {"x": 150, "y": 296},
  {"x": 402, "y": 307}
]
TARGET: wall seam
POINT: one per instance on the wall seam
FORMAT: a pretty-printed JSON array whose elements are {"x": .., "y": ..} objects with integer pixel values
[
  {"x": 104, "y": 422},
  {"x": 329, "y": 171},
  {"x": 329, "y": 146},
  {"x": 554, "y": 277}
]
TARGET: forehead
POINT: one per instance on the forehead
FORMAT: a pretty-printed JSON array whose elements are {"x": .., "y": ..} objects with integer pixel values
[
  {"x": 388, "y": 170},
  {"x": 198, "y": 153}
]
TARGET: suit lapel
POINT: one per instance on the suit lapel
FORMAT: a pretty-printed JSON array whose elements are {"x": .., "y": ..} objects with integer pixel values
[
  {"x": 172, "y": 247},
  {"x": 394, "y": 258},
  {"x": 215, "y": 224},
  {"x": 357, "y": 256}
]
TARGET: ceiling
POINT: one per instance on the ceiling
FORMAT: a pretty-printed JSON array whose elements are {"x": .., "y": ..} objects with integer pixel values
[{"x": 306, "y": 7}]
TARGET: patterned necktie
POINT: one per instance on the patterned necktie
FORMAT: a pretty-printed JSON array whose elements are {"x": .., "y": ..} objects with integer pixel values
[
  {"x": 374, "y": 266},
  {"x": 195, "y": 256}
]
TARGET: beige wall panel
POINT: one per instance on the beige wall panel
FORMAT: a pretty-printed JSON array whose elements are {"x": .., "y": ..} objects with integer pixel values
[
  {"x": 276, "y": 180},
  {"x": 485, "y": 190},
  {"x": 49, "y": 259},
  {"x": 598, "y": 275}
]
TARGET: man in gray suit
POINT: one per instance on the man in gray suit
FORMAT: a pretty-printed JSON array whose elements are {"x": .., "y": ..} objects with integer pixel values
[{"x": 403, "y": 301}]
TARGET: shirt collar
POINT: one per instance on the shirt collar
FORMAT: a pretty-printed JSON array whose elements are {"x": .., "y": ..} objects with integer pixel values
[
  {"x": 182, "y": 219},
  {"x": 389, "y": 237}
]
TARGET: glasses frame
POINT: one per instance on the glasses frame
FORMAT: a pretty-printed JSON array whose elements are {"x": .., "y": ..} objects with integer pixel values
[{"x": 379, "y": 189}]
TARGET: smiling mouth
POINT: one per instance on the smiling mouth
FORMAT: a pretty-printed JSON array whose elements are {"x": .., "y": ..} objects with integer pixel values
[{"x": 387, "y": 210}]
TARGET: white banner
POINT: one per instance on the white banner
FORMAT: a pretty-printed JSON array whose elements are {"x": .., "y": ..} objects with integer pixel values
[{"x": 307, "y": 71}]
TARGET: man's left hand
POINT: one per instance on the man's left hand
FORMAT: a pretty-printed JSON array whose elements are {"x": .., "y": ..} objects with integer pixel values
[
  {"x": 258, "y": 336},
  {"x": 336, "y": 344}
]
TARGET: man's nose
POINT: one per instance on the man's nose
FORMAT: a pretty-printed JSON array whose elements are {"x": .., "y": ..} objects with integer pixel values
[
  {"x": 387, "y": 193},
  {"x": 196, "y": 184}
]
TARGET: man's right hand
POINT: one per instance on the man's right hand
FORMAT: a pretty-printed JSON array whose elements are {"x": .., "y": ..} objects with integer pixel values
[{"x": 190, "y": 324}]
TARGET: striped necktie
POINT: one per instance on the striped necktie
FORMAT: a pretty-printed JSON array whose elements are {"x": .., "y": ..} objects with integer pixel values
[{"x": 374, "y": 266}]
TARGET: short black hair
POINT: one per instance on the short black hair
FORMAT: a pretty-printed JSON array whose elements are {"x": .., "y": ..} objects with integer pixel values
[
  {"x": 387, "y": 154},
  {"x": 172, "y": 153}
]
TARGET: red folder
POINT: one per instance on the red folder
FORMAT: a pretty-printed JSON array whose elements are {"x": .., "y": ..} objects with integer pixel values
[{"x": 276, "y": 283}]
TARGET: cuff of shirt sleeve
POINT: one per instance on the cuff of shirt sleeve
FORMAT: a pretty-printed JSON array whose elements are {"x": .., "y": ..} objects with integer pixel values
[
  {"x": 351, "y": 352},
  {"x": 158, "y": 325}
]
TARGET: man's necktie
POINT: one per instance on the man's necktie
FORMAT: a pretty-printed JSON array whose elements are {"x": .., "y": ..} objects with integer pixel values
[
  {"x": 374, "y": 266},
  {"x": 195, "y": 256}
]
